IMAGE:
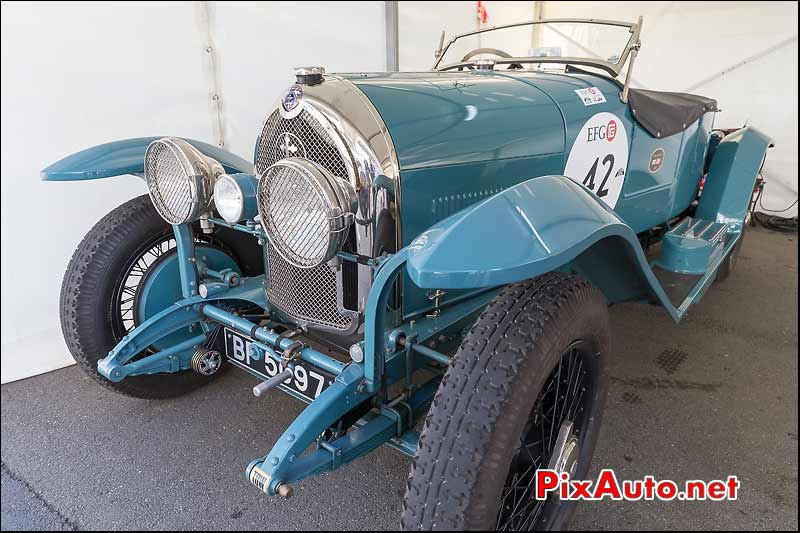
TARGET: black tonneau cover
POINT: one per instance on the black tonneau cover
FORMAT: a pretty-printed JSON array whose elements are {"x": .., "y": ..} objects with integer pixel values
[{"x": 664, "y": 114}]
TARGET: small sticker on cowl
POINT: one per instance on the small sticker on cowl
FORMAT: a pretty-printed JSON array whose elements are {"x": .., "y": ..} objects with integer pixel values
[{"x": 590, "y": 96}]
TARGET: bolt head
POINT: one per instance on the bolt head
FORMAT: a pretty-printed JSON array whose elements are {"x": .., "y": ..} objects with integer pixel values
[
  {"x": 357, "y": 352},
  {"x": 285, "y": 491}
]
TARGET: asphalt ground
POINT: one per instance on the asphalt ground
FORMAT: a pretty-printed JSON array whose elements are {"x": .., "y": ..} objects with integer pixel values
[{"x": 712, "y": 397}]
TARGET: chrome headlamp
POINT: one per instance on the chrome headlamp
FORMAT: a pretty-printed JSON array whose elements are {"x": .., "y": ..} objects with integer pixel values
[
  {"x": 235, "y": 197},
  {"x": 180, "y": 179},
  {"x": 305, "y": 210}
]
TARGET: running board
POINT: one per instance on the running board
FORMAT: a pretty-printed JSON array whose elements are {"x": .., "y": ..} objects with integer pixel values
[
  {"x": 692, "y": 245},
  {"x": 690, "y": 257}
]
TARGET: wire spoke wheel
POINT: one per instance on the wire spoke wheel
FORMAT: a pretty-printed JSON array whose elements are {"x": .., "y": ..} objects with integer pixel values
[
  {"x": 524, "y": 392},
  {"x": 125, "y": 317},
  {"x": 124, "y": 312},
  {"x": 560, "y": 406},
  {"x": 125, "y": 270}
]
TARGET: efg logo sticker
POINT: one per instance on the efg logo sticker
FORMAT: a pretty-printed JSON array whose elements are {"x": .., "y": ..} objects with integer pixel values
[
  {"x": 599, "y": 157},
  {"x": 611, "y": 130},
  {"x": 602, "y": 132},
  {"x": 656, "y": 160},
  {"x": 590, "y": 96}
]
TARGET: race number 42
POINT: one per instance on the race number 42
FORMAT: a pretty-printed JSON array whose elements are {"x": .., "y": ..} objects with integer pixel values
[
  {"x": 589, "y": 180},
  {"x": 598, "y": 159}
]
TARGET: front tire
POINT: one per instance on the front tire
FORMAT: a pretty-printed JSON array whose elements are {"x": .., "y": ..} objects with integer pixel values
[
  {"x": 96, "y": 307},
  {"x": 498, "y": 411}
]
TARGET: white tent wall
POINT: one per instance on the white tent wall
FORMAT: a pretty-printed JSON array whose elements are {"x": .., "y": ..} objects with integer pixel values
[
  {"x": 83, "y": 73},
  {"x": 421, "y": 24},
  {"x": 261, "y": 42}
]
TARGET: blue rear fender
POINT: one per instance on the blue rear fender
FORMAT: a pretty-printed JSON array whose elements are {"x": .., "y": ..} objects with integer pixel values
[
  {"x": 543, "y": 224},
  {"x": 127, "y": 157},
  {"x": 732, "y": 174}
]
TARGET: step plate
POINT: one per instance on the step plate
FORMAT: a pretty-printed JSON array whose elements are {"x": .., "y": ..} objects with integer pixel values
[{"x": 691, "y": 246}]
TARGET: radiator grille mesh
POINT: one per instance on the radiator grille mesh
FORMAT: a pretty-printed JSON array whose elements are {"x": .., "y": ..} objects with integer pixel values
[
  {"x": 301, "y": 136},
  {"x": 305, "y": 294}
]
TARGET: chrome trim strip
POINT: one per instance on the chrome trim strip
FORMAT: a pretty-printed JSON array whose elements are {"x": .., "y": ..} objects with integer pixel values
[{"x": 381, "y": 181}]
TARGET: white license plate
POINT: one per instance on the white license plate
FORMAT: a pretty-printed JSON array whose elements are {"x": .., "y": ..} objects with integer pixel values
[{"x": 308, "y": 380}]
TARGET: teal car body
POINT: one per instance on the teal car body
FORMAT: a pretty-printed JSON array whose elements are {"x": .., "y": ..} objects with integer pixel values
[
  {"x": 457, "y": 183},
  {"x": 463, "y": 137}
]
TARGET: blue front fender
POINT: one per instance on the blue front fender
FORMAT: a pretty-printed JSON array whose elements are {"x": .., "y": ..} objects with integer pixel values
[
  {"x": 540, "y": 225},
  {"x": 127, "y": 157}
]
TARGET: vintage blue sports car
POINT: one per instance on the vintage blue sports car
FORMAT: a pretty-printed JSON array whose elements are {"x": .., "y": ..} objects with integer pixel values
[{"x": 425, "y": 259}]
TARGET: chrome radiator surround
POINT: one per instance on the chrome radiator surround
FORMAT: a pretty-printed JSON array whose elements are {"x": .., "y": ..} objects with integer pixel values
[{"x": 336, "y": 126}]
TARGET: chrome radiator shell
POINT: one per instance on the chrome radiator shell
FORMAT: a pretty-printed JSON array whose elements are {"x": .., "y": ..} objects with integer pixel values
[{"x": 336, "y": 126}]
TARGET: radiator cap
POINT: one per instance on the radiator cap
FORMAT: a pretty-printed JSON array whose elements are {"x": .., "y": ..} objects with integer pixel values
[{"x": 309, "y": 75}]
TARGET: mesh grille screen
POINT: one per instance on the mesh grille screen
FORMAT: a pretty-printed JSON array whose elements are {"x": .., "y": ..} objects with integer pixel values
[
  {"x": 304, "y": 294},
  {"x": 294, "y": 215},
  {"x": 168, "y": 184},
  {"x": 307, "y": 294},
  {"x": 301, "y": 136}
]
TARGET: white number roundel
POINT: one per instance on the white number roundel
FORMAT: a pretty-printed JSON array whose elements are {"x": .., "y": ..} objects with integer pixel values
[{"x": 599, "y": 157}]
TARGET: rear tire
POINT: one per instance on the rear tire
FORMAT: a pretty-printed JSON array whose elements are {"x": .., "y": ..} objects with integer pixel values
[
  {"x": 493, "y": 405},
  {"x": 90, "y": 317}
]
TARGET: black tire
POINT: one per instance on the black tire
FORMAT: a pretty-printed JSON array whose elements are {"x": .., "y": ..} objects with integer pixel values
[
  {"x": 472, "y": 437},
  {"x": 729, "y": 263},
  {"x": 90, "y": 319}
]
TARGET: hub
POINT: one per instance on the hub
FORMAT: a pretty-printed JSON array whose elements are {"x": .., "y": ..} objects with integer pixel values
[
  {"x": 566, "y": 452},
  {"x": 206, "y": 362}
]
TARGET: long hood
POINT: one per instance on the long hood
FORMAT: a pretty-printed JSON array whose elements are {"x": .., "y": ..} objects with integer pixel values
[
  {"x": 437, "y": 118},
  {"x": 447, "y": 118}
]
